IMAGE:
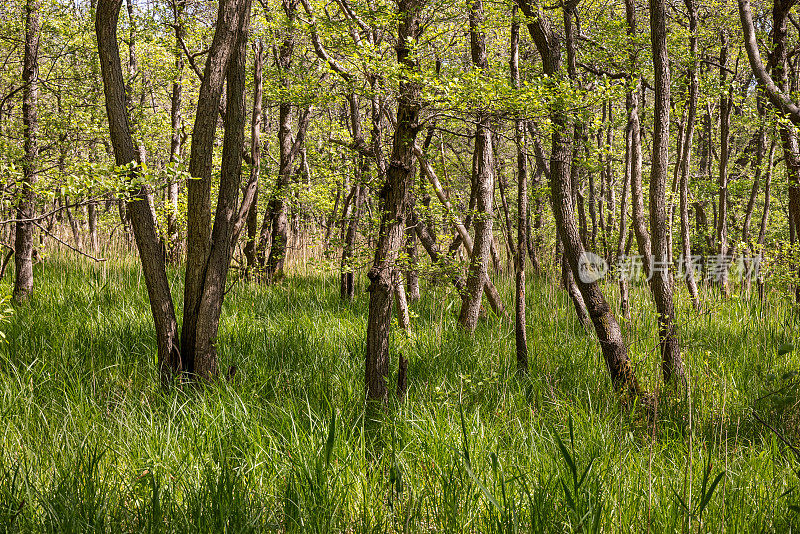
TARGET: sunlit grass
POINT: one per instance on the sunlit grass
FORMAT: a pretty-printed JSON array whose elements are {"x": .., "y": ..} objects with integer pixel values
[{"x": 90, "y": 443}]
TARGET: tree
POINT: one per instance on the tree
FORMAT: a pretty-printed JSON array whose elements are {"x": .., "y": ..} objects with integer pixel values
[
  {"x": 484, "y": 183},
  {"x": 395, "y": 203},
  {"x": 209, "y": 248},
  {"x": 23, "y": 242},
  {"x": 660, "y": 279},
  {"x": 606, "y": 326}
]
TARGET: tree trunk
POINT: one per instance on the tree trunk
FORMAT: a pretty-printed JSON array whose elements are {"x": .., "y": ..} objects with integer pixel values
[
  {"x": 347, "y": 283},
  {"x": 208, "y": 249},
  {"x": 73, "y": 223},
  {"x": 463, "y": 236},
  {"x": 765, "y": 215},
  {"x": 289, "y": 148},
  {"x": 520, "y": 329},
  {"x": 608, "y": 331},
  {"x": 91, "y": 214},
  {"x": 147, "y": 240},
  {"x": 411, "y": 272},
  {"x": 395, "y": 195},
  {"x": 725, "y": 105},
  {"x": 255, "y": 156},
  {"x": 219, "y": 254},
  {"x": 176, "y": 141},
  {"x": 691, "y": 115},
  {"x": 426, "y": 238},
  {"x": 635, "y": 157},
  {"x": 484, "y": 184},
  {"x": 661, "y": 281},
  {"x": 23, "y": 241}
]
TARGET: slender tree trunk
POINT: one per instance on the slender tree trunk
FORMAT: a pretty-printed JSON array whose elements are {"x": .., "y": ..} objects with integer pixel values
[
  {"x": 73, "y": 223},
  {"x": 91, "y": 215},
  {"x": 278, "y": 205},
  {"x": 411, "y": 272},
  {"x": 147, "y": 241},
  {"x": 428, "y": 242},
  {"x": 608, "y": 331},
  {"x": 765, "y": 216},
  {"x": 520, "y": 329},
  {"x": 610, "y": 199},
  {"x": 725, "y": 106},
  {"x": 691, "y": 115},
  {"x": 661, "y": 281},
  {"x": 255, "y": 155},
  {"x": 463, "y": 235},
  {"x": 23, "y": 241},
  {"x": 347, "y": 288},
  {"x": 624, "y": 297},
  {"x": 289, "y": 148},
  {"x": 635, "y": 161},
  {"x": 395, "y": 195},
  {"x": 176, "y": 141},
  {"x": 758, "y": 164},
  {"x": 484, "y": 184}
]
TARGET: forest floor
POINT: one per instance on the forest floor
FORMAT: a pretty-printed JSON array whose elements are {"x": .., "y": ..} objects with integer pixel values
[{"x": 91, "y": 443}]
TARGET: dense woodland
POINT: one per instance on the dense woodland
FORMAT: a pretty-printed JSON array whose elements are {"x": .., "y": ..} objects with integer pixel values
[{"x": 399, "y": 266}]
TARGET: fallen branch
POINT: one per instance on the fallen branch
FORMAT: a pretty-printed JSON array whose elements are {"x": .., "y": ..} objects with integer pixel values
[{"x": 43, "y": 229}]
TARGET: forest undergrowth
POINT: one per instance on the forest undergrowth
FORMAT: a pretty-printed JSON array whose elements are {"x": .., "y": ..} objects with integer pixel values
[{"x": 90, "y": 442}]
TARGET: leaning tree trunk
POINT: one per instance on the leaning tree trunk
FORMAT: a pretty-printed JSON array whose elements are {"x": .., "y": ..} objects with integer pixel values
[
  {"x": 660, "y": 280},
  {"x": 608, "y": 331},
  {"x": 395, "y": 196},
  {"x": 776, "y": 89},
  {"x": 147, "y": 241},
  {"x": 23, "y": 240}
]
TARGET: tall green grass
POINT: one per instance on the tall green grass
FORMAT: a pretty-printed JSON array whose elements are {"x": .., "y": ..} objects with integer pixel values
[{"x": 90, "y": 443}]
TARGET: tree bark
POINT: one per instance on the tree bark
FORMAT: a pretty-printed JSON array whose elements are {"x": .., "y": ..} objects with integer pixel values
[
  {"x": 520, "y": 328},
  {"x": 255, "y": 155},
  {"x": 633, "y": 130},
  {"x": 176, "y": 141},
  {"x": 725, "y": 106},
  {"x": 395, "y": 196},
  {"x": 204, "y": 272},
  {"x": 484, "y": 184},
  {"x": 775, "y": 89},
  {"x": 289, "y": 148},
  {"x": 23, "y": 241},
  {"x": 661, "y": 281},
  {"x": 606, "y": 326},
  {"x": 223, "y": 232},
  {"x": 411, "y": 272},
  {"x": 148, "y": 243},
  {"x": 691, "y": 116},
  {"x": 463, "y": 235}
]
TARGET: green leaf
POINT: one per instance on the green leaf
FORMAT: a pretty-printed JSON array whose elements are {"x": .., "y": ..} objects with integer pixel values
[
  {"x": 330, "y": 440},
  {"x": 785, "y": 348}
]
